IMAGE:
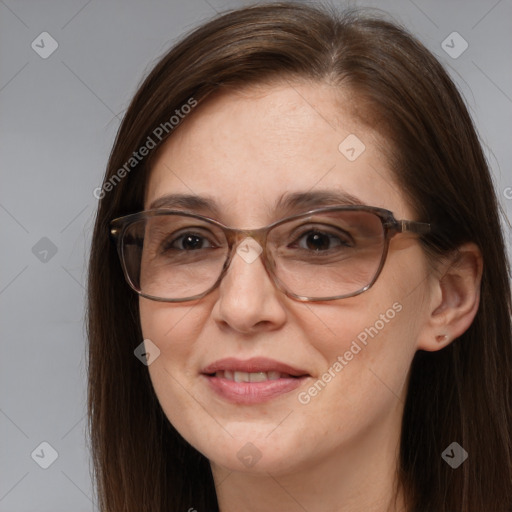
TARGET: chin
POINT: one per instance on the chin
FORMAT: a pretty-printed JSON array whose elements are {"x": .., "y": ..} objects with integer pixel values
[
  {"x": 251, "y": 460},
  {"x": 254, "y": 452}
]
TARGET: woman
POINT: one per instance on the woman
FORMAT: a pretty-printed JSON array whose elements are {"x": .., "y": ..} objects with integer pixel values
[{"x": 315, "y": 306}]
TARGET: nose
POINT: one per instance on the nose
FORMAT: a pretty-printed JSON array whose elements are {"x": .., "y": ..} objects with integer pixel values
[{"x": 248, "y": 301}]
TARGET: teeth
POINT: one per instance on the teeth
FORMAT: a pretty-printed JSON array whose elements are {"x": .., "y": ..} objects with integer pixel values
[
  {"x": 250, "y": 377},
  {"x": 241, "y": 377},
  {"x": 258, "y": 377}
]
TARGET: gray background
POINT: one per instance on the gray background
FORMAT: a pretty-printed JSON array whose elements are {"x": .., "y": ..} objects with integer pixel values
[{"x": 58, "y": 119}]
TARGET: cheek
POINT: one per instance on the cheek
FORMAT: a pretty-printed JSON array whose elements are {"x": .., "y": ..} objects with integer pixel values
[
  {"x": 169, "y": 324},
  {"x": 366, "y": 364},
  {"x": 353, "y": 341},
  {"x": 174, "y": 329},
  {"x": 367, "y": 342}
]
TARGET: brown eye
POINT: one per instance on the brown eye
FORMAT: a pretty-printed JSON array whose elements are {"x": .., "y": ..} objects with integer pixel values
[
  {"x": 318, "y": 240},
  {"x": 187, "y": 242}
]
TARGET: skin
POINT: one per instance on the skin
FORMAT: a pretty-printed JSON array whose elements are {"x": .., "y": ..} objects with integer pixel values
[{"x": 339, "y": 451}]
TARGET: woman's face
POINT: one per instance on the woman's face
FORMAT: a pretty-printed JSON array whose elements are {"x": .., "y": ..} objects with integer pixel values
[{"x": 245, "y": 150}]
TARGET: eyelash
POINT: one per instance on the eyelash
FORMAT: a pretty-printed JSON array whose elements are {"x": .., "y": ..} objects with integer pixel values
[
  {"x": 168, "y": 243},
  {"x": 323, "y": 233}
]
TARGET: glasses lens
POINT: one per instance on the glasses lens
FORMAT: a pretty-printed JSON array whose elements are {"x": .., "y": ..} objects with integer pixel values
[
  {"x": 329, "y": 254},
  {"x": 173, "y": 256}
]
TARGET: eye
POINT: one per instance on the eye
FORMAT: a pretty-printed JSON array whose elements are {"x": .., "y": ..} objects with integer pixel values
[
  {"x": 188, "y": 241},
  {"x": 317, "y": 240}
]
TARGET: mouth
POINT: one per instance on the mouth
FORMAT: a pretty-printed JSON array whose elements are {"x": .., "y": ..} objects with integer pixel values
[
  {"x": 238, "y": 376},
  {"x": 252, "y": 381}
]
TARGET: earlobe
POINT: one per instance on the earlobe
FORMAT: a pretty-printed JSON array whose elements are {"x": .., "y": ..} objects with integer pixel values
[
  {"x": 443, "y": 338},
  {"x": 457, "y": 297}
]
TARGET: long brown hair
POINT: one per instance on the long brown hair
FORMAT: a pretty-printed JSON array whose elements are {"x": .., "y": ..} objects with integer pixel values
[{"x": 462, "y": 393}]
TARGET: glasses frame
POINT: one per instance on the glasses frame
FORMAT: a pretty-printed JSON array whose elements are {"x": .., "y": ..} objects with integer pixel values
[{"x": 390, "y": 225}]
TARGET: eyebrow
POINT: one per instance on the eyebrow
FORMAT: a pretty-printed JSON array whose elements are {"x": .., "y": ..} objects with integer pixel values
[
  {"x": 287, "y": 204},
  {"x": 290, "y": 203},
  {"x": 189, "y": 202}
]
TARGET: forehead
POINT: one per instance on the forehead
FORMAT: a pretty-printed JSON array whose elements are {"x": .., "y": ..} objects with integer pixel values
[{"x": 247, "y": 149}]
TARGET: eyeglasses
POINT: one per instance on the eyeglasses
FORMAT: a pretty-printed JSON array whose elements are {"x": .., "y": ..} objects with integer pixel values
[{"x": 324, "y": 254}]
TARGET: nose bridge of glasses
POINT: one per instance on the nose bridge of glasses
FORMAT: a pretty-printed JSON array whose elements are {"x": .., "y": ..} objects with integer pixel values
[
  {"x": 249, "y": 245},
  {"x": 238, "y": 237}
]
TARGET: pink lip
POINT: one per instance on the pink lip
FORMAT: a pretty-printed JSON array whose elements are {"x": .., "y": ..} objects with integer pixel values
[
  {"x": 252, "y": 392},
  {"x": 255, "y": 364}
]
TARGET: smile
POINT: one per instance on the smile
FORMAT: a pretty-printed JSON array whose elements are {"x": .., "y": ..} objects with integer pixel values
[
  {"x": 251, "y": 377},
  {"x": 252, "y": 381}
]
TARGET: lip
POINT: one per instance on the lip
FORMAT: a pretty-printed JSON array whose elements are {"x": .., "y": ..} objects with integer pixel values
[
  {"x": 252, "y": 392},
  {"x": 255, "y": 364}
]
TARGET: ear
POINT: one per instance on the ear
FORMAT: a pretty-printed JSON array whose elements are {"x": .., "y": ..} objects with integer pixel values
[{"x": 454, "y": 299}]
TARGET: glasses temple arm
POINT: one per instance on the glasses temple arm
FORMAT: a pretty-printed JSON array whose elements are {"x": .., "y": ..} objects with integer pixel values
[{"x": 412, "y": 226}]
